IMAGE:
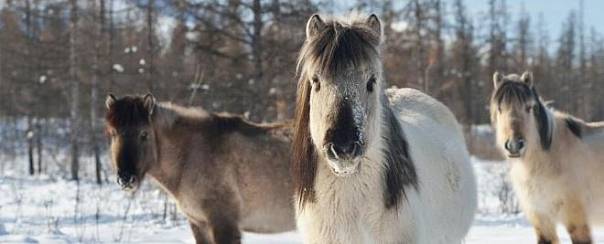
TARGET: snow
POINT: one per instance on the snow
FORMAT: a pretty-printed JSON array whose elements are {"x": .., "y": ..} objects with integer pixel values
[
  {"x": 46, "y": 209},
  {"x": 399, "y": 25},
  {"x": 118, "y": 67}
]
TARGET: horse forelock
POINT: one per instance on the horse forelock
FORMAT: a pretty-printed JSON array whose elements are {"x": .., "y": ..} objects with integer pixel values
[
  {"x": 128, "y": 111},
  {"x": 338, "y": 48},
  {"x": 513, "y": 92}
]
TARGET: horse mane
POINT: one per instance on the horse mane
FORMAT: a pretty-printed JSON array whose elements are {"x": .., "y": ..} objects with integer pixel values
[
  {"x": 400, "y": 170},
  {"x": 342, "y": 45},
  {"x": 514, "y": 91},
  {"x": 211, "y": 123},
  {"x": 131, "y": 111},
  {"x": 575, "y": 125},
  {"x": 304, "y": 158}
]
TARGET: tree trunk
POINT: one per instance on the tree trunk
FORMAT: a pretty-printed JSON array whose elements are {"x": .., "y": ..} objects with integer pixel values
[
  {"x": 151, "y": 44},
  {"x": 96, "y": 73},
  {"x": 39, "y": 144},
  {"x": 261, "y": 84},
  {"x": 110, "y": 47},
  {"x": 30, "y": 145},
  {"x": 75, "y": 93}
]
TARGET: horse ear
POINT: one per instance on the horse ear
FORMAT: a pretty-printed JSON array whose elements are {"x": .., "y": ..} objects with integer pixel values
[
  {"x": 149, "y": 102},
  {"x": 110, "y": 100},
  {"x": 527, "y": 77},
  {"x": 314, "y": 26},
  {"x": 374, "y": 23},
  {"x": 497, "y": 79}
]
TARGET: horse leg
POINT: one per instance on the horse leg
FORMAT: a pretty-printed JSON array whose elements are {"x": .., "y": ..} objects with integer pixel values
[
  {"x": 545, "y": 228},
  {"x": 201, "y": 232},
  {"x": 223, "y": 217},
  {"x": 225, "y": 230},
  {"x": 576, "y": 222}
]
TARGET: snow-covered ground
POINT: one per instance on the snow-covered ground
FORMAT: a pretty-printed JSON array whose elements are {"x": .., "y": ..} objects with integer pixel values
[{"x": 45, "y": 209}]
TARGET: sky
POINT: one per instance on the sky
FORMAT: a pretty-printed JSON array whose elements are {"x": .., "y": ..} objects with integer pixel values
[{"x": 555, "y": 12}]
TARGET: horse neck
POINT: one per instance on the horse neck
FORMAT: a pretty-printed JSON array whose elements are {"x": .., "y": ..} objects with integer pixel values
[{"x": 166, "y": 169}]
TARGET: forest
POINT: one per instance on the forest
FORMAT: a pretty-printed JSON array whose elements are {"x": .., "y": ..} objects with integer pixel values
[{"x": 59, "y": 59}]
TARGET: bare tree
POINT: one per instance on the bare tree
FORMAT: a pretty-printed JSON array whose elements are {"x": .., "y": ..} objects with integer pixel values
[
  {"x": 151, "y": 44},
  {"x": 94, "y": 86},
  {"x": 465, "y": 62},
  {"x": 74, "y": 114}
]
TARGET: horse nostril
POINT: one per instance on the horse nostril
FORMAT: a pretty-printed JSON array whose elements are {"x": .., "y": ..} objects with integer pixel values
[
  {"x": 125, "y": 179},
  {"x": 520, "y": 144},
  {"x": 346, "y": 149},
  {"x": 331, "y": 151},
  {"x": 514, "y": 146},
  {"x": 507, "y": 145}
]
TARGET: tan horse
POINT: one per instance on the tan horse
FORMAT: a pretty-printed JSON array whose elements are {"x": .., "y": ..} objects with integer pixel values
[
  {"x": 557, "y": 161},
  {"x": 226, "y": 174}
]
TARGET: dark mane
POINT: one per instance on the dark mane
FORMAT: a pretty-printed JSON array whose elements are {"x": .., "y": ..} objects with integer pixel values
[
  {"x": 339, "y": 47},
  {"x": 575, "y": 126},
  {"x": 128, "y": 111},
  {"x": 510, "y": 92},
  {"x": 400, "y": 170},
  {"x": 221, "y": 123}
]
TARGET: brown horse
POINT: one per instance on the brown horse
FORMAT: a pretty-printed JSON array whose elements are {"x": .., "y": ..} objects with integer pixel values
[{"x": 226, "y": 174}]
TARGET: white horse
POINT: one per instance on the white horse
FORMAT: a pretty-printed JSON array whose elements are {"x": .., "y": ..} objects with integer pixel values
[
  {"x": 373, "y": 165},
  {"x": 556, "y": 160}
]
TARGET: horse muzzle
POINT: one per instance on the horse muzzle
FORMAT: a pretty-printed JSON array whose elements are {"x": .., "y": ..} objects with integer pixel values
[
  {"x": 343, "y": 159},
  {"x": 515, "y": 147},
  {"x": 128, "y": 182}
]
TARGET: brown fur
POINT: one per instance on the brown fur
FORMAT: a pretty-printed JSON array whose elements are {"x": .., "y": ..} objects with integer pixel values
[{"x": 226, "y": 174}]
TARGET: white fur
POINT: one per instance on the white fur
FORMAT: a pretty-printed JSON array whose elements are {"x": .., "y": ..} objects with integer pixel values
[{"x": 352, "y": 209}]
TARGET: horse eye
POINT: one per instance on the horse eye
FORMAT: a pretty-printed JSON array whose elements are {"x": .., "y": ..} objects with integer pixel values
[
  {"x": 315, "y": 83},
  {"x": 370, "y": 84},
  {"x": 529, "y": 108}
]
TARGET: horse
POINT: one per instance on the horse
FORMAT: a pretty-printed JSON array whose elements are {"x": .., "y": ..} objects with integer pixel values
[
  {"x": 372, "y": 165},
  {"x": 225, "y": 173},
  {"x": 556, "y": 160}
]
